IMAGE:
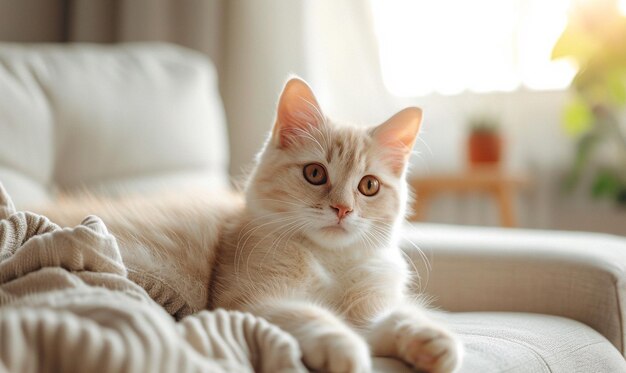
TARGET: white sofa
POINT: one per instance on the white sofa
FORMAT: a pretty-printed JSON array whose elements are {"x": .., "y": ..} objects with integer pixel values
[
  {"x": 107, "y": 118},
  {"x": 141, "y": 116}
]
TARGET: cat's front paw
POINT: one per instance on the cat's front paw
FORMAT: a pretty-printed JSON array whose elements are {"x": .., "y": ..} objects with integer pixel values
[
  {"x": 337, "y": 352},
  {"x": 430, "y": 348}
]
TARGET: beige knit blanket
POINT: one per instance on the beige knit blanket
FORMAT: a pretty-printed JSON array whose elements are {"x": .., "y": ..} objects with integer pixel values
[{"x": 67, "y": 305}]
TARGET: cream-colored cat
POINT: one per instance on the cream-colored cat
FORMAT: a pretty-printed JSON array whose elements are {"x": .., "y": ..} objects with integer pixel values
[
  {"x": 313, "y": 248},
  {"x": 314, "y": 251}
]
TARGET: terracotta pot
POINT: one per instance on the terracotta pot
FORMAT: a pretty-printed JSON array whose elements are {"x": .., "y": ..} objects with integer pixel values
[{"x": 484, "y": 148}]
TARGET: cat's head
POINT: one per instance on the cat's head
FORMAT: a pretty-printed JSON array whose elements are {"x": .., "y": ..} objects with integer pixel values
[{"x": 338, "y": 185}]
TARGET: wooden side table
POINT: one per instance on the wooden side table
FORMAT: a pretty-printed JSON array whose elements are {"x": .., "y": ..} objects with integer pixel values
[{"x": 490, "y": 180}]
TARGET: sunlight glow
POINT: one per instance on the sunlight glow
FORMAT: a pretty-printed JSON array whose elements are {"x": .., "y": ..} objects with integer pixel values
[
  {"x": 450, "y": 46},
  {"x": 622, "y": 6}
]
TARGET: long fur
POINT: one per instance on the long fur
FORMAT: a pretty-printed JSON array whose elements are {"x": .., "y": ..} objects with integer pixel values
[{"x": 341, "y": 287}]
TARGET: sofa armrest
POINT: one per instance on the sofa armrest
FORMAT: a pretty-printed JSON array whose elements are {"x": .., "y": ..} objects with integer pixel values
[{"x": 581, "y": 276}]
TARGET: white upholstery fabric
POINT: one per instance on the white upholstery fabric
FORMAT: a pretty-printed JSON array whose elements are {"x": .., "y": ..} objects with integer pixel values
[
  {"x": 107, "y": 117},
  {"x": 526, "y": 343},
  {"x": 581, "y": 276}
]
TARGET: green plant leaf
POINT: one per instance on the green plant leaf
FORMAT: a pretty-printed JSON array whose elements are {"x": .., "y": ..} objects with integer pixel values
[
  {"x": 575, "y": 43},
  {"x": 606, "y": 184},
  {"x": 620, "y": 197},
  {"x": 616, "y": 85},
  {"x": 577, "y": 118},
  {"x": 584, "y": 148}
]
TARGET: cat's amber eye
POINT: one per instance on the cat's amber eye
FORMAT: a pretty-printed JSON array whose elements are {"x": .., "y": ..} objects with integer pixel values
[
  {"x": 369, "y": 185},
  {"x": 315, "y": 174}
]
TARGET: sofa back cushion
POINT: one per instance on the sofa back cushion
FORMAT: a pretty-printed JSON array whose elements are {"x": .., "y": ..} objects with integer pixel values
[{"x": 133, "y": 117}]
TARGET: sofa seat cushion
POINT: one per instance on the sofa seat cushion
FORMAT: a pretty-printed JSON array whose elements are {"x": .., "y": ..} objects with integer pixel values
[
  {"x": 576, "y": 275},
  {"x": 524, "y": 342}
]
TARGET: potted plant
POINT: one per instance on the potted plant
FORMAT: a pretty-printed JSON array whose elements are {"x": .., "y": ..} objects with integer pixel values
[
  {"x": 484, "y": 144},
  {"x": 595, "y": 39}
]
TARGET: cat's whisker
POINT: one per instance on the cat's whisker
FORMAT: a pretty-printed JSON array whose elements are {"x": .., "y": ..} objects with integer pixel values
[
  {"x": 420, "y": 252},
  {"x": 251, "y": 251},
  {"x": 307, "y": 135},
  {"x": 323, "y": 134},
  {"x": 382, "y": 239},
  {"x": 382, "y": 224},
  {"x": 316, "y": 111},
  {"x": 298, "y": 229},
  {"x": 373, "y": 241},
  {"x": 369, "y": 240},
  {"x": 361, "y": 240},
  {"x": 420, "y": 157},
  {"x": 244, "y": 231},
  {"x": 425, "y": 260},
  {"x": 386, "y": 231},
  {"x": 287, "y": 229},
  {"x": 304, "y": 202},
  {"x": 249, "y": 233},
  {"x": 289, "y": 233},
  {"x": 246, "y": 235},
  {"x": 430, "y": 151},
  {"x": 241, "y": 246},
  {"x": 378, "y": 231},
  {"x": 277, "y": 200},
  {"x": 259, "y": 218},
  {"x": 415, "y": 273},
  {"x": 385, "y": 220}
]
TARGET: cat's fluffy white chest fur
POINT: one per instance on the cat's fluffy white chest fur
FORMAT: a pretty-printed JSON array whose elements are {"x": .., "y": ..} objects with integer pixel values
[{"x": 345, "y": 280}]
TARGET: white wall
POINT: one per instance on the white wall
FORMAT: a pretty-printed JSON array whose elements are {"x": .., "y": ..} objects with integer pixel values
[
  {"x": 536, "y": 146},
  {"x": 264, "y": 44},
  {"x": 530, "y": 123}
]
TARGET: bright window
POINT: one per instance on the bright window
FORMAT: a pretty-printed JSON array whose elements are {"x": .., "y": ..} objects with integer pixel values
[{"x": 451, "y": 46}]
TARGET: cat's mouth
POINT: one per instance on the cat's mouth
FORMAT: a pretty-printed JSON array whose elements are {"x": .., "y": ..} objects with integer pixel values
[{"x": 335, "y": 228}]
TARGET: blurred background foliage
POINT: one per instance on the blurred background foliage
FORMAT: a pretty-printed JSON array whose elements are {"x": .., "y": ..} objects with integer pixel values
[{"x": 595, "y": 38}]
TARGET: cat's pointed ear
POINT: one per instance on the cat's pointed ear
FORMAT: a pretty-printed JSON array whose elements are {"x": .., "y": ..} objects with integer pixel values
[
  {"x": 397, "y": 135},
  {"x": 298, "y": 112}
]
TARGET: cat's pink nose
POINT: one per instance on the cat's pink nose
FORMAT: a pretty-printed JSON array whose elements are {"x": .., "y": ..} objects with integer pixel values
[{"x": 341, "y": 210}]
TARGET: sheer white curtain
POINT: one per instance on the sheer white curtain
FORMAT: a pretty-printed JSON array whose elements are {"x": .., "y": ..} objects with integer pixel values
[
  {"x": 192, "y": 23},
  {"x": 263, "y": 43},
  {"x": 329, "y": 43},
  {"x": 451, "y": 46},
  {"x": 343, "y": 61}
]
